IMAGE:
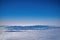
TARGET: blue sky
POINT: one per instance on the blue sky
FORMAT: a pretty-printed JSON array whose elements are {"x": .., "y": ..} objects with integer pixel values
[{"x": 27, "y": 12}]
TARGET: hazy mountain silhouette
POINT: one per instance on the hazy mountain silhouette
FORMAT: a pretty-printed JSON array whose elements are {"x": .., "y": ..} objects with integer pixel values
[{"x": 35, "y": 27}]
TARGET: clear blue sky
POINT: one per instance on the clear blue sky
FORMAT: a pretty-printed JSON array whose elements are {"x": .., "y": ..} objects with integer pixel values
[{"x": 26, "y": 12}]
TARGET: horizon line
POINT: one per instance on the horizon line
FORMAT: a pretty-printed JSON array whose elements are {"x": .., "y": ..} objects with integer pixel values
[{"x": 30, "y": 25}]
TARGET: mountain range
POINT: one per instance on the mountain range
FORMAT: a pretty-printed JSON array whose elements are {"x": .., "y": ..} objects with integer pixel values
[{"x": 34, "y": 27}]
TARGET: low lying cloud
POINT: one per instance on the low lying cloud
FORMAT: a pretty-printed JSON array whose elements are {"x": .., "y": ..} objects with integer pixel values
[{"x": 50, "y": 34}]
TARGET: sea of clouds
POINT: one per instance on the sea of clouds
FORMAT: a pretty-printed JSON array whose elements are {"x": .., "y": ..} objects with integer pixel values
[{"x": 48, "y": 34}]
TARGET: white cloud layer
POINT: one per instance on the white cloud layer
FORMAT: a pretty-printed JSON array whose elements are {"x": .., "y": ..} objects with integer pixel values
[{"x": 49, "y": 34}]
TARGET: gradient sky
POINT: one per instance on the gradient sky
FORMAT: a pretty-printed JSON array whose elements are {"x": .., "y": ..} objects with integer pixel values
[{"x": 29, "y": 12}]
